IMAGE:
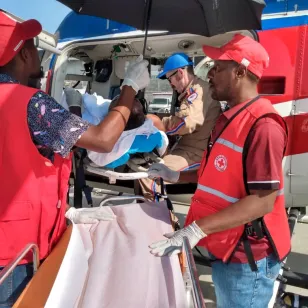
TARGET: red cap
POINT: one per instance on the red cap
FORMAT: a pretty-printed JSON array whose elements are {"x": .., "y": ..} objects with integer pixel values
[
  {"x": 13, "y": 36},
  {"x": 243, "y": 50}
]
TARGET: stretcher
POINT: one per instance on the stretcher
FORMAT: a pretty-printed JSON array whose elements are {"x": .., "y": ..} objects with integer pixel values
[
  {"x": 87, "y": 175},
  {"x": 113, "y": 176},
  {"x": 38, "y": 290},
  {"x": 135, "y": 164}
]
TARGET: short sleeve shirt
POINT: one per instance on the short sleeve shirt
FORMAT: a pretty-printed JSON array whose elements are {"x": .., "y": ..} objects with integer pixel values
[{"x": 53, "y": 128}]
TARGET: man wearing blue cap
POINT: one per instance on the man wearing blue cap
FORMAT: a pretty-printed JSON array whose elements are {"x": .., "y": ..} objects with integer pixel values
[{"x": 193, "y": 121}]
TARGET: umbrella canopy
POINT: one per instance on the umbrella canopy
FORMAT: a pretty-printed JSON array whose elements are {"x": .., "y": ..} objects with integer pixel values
[{"x": 202, "y": 17}]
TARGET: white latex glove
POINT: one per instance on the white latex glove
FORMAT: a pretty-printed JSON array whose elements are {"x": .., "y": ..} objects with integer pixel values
[
  {"x": 73, "y": 97},
  {"x": 162, "y": 171},
  {"x": 137, "y": 74},
  {"x": 90, "y": 215},
  {"x": 174, "y": 243}
]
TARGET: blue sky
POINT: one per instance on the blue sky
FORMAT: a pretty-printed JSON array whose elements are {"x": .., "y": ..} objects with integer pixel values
[{"x": 49, "y": 13}]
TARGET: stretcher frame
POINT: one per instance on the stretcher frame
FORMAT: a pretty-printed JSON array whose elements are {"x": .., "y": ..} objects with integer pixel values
[
  {"x": 8, "y": 269},
  {"x": 86, "y": 175},
  {"x": 134, "y": 164},
  {"x": 114, "y": 176},
  {"x": 36, "y": 293},
  {"x": 84, "y": 181}
]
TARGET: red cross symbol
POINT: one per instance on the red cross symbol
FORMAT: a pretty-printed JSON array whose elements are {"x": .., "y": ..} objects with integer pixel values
[{"x": 221, "y": 163}]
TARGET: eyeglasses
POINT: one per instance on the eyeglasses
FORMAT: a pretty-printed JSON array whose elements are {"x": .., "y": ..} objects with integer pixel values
[{"x": 168, "y": 78}]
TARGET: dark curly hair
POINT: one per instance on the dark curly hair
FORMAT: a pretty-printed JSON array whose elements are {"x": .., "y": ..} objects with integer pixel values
[{"x": 137, "y": 116}]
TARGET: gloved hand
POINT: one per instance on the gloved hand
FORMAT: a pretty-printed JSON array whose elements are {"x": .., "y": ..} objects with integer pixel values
[
  {"x": 137, "y": 74},
  {"x": 162, "y": 171},
  {"x": 174, "y": 243},
  {"x": 90, "y": 215},
  {"x": 73, "y": 97}
]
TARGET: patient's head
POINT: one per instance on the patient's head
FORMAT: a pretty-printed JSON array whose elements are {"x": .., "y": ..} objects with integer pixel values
[{"x": 137, "y": 116}]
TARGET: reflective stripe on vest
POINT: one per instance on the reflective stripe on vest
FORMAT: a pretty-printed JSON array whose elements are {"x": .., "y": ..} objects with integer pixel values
[
  {"x": 220, "y": 194},
  {"x": 230, "y": 145},
  {"x": 217, "y": 193}
]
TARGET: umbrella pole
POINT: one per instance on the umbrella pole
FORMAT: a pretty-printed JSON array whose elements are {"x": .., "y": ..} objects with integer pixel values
[
  {"x": 146, "y": 25},
  {"x": 146, "y": 22},
  {"x": 145, "y": 41}
]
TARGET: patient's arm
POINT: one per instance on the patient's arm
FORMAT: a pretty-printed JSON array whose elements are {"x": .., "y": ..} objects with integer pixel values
[
  {"x": 157, "y": 122},
  {"x": 102, "y": 137}
]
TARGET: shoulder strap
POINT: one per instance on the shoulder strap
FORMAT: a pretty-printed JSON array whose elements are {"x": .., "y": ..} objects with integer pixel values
[{"x": 211, "y": 143}]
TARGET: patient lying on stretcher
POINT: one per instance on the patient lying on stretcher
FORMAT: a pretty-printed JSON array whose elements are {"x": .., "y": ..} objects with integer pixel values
[{"x": 142, "y": 133}]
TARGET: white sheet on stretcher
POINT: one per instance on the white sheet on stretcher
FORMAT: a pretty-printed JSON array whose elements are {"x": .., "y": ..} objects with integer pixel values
[{"x": 109, "y": 264}]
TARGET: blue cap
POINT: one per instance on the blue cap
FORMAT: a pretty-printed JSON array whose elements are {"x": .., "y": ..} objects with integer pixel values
[{"x": 175, "y": 61}]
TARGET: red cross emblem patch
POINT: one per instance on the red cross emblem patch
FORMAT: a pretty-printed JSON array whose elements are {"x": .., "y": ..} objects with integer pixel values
[{"x": 221, "y": 163}]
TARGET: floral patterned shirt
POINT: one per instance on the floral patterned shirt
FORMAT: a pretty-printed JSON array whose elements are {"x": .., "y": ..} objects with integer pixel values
[{"x": 53, "y": 128}]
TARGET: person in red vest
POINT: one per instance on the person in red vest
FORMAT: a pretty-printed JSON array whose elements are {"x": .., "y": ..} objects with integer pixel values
[
  {"x": 238, "y": 210},
  {"x": 36, "y": 138}
]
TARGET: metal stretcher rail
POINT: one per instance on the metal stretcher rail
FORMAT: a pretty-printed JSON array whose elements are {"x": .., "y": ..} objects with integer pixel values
[
  {"x": 12, "y": 265},
  {"x": 114, "y": 176},
  {"x": 121, "y": 198},
  {"x": 191, "y": 277}
]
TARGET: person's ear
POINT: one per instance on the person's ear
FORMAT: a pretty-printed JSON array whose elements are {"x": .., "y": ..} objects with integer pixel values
[
  {"x": 180, "y": 73},
  {"x": 241, "y": 71},
  {"x": 24, "y": 55}
]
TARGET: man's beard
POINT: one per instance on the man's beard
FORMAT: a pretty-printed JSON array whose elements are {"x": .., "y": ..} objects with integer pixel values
[{"x": 39, "y": 75}]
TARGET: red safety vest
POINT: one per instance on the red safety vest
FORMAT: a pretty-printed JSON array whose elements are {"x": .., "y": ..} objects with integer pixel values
[
  {"x": 33, "y": 190},
  {"x": 221, "y": 182}
]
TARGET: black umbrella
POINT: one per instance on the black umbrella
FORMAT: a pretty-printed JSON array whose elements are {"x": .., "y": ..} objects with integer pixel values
[{"x": 203, "y": 17}]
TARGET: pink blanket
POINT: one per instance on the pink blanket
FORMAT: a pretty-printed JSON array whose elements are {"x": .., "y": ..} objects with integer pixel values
[{"x": 121, "y": 272}]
